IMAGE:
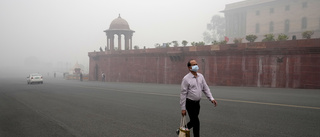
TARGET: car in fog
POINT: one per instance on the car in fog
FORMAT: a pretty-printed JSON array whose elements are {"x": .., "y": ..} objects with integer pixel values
[{"x": 35, "y": 78}]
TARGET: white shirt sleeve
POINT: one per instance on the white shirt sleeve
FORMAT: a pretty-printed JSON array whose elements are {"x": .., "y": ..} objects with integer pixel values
[
  {"x": 183, "y": 94},
  {"x": 206, "y": 90}
]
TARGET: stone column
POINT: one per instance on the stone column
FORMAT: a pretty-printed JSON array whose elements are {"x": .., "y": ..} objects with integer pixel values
[
  {"x": 112, "y": 42},
  {"x": 126, "y": 39},
  {"x": 130, "y": 42},
  {"x": 119, "y": 41},
  {"x": 108, "y": 40}
]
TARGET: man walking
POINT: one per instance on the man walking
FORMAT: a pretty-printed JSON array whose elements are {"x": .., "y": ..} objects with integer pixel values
[
  {"x": 80, "y": 76},
  {"x": 103, "y": 77},
  {"x": 192, "y": 86}
]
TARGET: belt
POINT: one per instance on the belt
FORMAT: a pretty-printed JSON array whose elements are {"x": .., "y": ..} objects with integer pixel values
[{"x": 193, "y": 100}]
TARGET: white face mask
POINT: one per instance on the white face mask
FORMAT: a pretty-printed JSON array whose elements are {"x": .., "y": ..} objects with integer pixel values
[{"x": 194, "y": 68}]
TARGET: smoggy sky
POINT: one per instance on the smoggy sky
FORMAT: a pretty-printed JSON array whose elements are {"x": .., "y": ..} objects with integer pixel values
[{"x": 64, "y": 31}]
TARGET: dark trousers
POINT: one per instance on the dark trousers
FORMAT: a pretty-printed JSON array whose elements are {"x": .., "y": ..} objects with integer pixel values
[{"x": 193, "y": 109}]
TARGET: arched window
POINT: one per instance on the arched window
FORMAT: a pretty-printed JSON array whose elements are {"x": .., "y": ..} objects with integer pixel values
[
  {"x": 286, "y": 26},
  {"x": 271, "y": 27},
  {"x": 304, "y": 23}
]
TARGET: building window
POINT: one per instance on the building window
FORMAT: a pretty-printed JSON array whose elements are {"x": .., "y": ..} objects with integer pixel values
[
  {"x": 271, "y": 26},
  {"x": 304, "y": 23},
  {"x": 271, "y": 10},
  {"x": 257, "y": 12},
  {"x": 304, "y": 5},
  {"x": 257, "y": 28},
  {"x": 286, "y": 26},
  {"x": 287, "y": 8}
]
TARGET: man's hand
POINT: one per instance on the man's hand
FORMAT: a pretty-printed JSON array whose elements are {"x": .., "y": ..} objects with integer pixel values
[
  {"x": 183, "y": 112},
  {"x": 214, "y": 102}
]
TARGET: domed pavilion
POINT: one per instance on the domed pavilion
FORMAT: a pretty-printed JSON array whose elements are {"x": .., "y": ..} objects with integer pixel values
[{"x": 119, "y": 27}]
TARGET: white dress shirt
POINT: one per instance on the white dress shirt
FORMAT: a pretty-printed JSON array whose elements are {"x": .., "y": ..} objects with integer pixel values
[{"x": 192, "y": 88}]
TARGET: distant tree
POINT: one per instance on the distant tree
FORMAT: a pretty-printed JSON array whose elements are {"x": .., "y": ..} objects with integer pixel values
[
  {"x": 251, "y": 38},
  {"x": 237, "y": 40},
  {"x": 184, "y": 43},
  {"x": 136, "y": 47},
  {"x": 168, "y": 44},
  {"x": 200, "y": 43},
  {"x": 207, "y": 37},
  {"x": 307, "y": 34},
  {"x": 215, "y": 42},
  {"x": 175, "y": 43},
  {"x": 157, "y": 45},
  {"x": 282, "y": 37},
  {"x": 215, "y": 29},
  {"x": 193, "y": 43},
  {"x": 268, "y": 37},
  {"x": 222, "y": 42}
]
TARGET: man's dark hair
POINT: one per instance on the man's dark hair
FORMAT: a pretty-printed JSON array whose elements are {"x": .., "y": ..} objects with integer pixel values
[{"x": 189, "y": 64}]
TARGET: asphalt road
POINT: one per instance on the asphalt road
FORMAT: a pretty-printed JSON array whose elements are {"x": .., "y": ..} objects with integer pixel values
[{"x": 66, "y": 108}]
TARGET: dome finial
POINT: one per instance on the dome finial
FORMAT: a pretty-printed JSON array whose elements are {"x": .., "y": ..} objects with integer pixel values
[{"x": 119, "y": 16}]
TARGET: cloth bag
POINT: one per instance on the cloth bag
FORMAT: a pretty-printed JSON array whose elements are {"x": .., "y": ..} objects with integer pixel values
[{"x": 183, "y": 131}]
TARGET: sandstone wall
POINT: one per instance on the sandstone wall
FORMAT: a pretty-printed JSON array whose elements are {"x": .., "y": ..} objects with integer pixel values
[{"x": 284, "y": 64}]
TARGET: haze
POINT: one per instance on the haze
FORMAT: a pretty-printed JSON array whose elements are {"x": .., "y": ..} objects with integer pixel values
[{"x": 59, "y": 33}]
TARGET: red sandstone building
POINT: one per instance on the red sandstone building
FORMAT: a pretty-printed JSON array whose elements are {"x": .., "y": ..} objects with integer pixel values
[{"x": 280, "y": 64}]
